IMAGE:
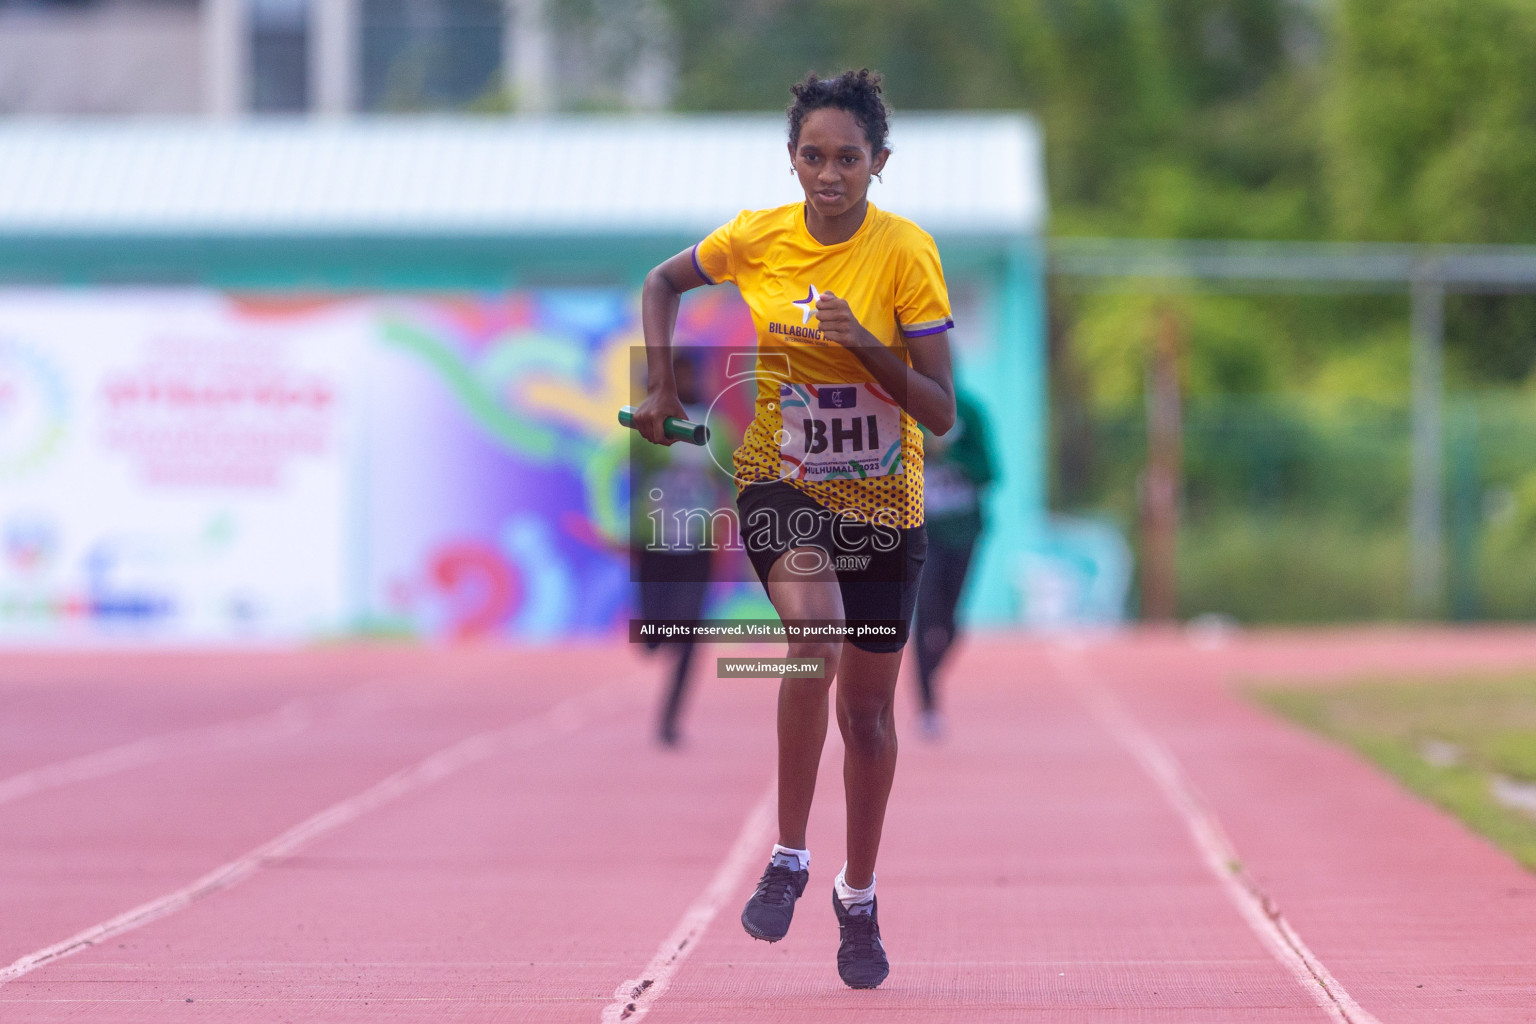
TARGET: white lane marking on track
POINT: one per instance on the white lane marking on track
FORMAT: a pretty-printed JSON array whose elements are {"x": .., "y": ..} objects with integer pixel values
[
  {"x": 269, "y": 725},
  {"x": 1217, "y": 851},
  {"x": 560, "y": 720},
  {"x": 634, "y": 997}
]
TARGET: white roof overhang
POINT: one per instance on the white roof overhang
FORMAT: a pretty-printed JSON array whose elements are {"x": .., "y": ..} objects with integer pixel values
[{"x": 971, "y": 174}]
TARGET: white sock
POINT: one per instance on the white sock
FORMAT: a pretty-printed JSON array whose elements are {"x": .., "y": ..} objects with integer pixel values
[
  {"x": 848, "y": 894},
  {"x": 795, "y": 860}
]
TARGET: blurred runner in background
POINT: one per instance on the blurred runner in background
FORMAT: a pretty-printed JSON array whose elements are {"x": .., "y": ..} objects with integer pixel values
[
  {"x": 958, "y": 467},
  {"x": 675, "y": 574}
]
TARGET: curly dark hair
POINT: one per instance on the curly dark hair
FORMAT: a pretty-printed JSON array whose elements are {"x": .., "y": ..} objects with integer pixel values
[{"x": 857, "y": 92}]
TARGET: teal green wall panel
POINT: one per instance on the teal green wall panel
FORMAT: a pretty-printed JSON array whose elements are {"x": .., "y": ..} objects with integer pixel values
[{"x": 1011, "y": 385}]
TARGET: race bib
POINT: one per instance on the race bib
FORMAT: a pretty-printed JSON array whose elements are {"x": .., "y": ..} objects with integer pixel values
[{"x": 838, "y": 432}]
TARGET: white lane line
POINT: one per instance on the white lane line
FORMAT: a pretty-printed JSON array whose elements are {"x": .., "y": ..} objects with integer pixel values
[
  {"x": 1256, "y": 906},
  {"x": 561, "y": 720},
  {"x": 634, "y": 998},
  {"x": 270, "y": 725}
]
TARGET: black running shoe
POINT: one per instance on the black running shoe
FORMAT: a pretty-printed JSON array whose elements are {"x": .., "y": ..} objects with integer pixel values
[
  {"x": 767, "y": 914},
  {"x": 861, "y": 956}
]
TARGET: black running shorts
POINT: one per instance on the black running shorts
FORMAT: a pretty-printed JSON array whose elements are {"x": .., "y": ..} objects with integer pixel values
[{"x": 877, "y": 565}]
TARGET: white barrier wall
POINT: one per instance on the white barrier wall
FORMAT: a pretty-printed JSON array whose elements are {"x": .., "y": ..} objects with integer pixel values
[{"x": 174, "y": 464}]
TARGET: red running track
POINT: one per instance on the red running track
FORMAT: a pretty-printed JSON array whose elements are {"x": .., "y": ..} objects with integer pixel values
[{"x": 1108, "y": 834}]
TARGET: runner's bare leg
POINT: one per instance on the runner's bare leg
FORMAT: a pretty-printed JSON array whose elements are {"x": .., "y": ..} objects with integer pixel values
[
  {"x": 803, "y": 702},
  {"x": 866, "y": 714}
]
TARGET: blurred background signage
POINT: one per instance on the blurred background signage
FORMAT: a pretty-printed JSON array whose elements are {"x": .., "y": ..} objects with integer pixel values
[{"x": 383, "y": 400}]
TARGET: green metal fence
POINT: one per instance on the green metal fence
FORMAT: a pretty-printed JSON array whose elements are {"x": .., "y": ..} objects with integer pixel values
[{"x": 1298, "y": 510}]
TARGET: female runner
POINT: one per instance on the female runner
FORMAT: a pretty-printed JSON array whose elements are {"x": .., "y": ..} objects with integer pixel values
[{"x": 852, "y": 302}]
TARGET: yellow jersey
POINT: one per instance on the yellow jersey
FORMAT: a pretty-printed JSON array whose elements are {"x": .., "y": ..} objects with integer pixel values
[{"x": 822, "y": 423}]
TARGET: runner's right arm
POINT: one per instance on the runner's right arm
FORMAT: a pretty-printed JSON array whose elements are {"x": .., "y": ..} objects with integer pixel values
[{"x": 659, "y": 299}]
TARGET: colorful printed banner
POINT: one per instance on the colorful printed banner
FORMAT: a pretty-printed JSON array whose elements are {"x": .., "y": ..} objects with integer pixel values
[
  {"x": 186, "y": 464},
  {"x": 173, "y": 464},
  {"x": 181, "y": 464},
  {"x": 496, "y": 490}
]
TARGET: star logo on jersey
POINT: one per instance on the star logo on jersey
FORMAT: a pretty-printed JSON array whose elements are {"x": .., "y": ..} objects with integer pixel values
[{"x": 808, "y": 304}]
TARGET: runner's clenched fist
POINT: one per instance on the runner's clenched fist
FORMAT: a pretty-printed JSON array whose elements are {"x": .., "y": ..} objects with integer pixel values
[{"x": 839, "y": 325}]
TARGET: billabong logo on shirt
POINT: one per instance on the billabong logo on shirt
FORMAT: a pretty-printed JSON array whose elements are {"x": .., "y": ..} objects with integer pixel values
[{"x": 807, "y": 305}]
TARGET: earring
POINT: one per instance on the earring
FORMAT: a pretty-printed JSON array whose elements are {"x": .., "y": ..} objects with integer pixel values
[
  {"x": 879, "y": 179},
  {"x": 791, "y": 168}
]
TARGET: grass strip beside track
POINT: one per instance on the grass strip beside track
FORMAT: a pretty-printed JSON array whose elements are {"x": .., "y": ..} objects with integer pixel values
[{"x": 1450, "y": 741}]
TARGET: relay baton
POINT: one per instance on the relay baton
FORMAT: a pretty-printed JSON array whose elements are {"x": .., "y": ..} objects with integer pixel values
[{"x": 676, "y": 429}]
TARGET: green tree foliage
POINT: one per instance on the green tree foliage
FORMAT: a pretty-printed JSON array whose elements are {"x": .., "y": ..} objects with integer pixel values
[
  {"x": 1367, "y": 119},
  {"x": 1182, "y": 117},
  {"x": 1429, "y": 120},
  {"x": 1371, "y": 120},
  {"x": 1430, "y": 136}
]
